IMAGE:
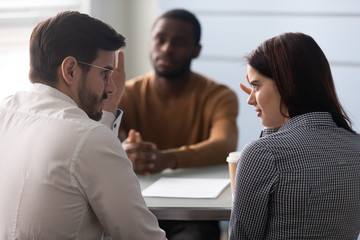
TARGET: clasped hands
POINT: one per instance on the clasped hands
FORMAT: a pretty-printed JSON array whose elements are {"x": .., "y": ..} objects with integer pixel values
[{"x": 145, "y": 156}]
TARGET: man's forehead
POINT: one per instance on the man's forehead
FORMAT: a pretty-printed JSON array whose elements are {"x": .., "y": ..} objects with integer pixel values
[
  {"x": 105, "y": 56},
  {"x": 173, "y": 26},
  {"x": 172, "y": 23}
]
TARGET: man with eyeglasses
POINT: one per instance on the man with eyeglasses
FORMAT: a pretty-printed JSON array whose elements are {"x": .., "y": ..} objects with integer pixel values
[{"x": 62, "y": 174}]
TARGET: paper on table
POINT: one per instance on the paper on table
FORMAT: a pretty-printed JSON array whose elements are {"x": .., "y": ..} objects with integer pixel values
[{"x": 186, "y": 187}]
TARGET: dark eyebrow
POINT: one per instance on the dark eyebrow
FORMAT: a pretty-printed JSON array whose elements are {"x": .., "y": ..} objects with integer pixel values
[
  {"x": 159, "y": 34},
  {"x": 176, "y": 37}
]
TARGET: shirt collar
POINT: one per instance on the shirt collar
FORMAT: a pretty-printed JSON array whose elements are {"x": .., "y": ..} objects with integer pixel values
[
  {"x": 313, "y": 118},
  {"x": 46, "y": 89}
]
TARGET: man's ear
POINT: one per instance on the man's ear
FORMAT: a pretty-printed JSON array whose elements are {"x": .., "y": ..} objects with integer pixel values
[
  {"x": 69, "y": 69},
  {"x": 197, "y": 51}
]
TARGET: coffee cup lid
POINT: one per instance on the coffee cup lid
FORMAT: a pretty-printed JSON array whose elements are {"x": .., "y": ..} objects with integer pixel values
[{"x": 233, "y": 157}]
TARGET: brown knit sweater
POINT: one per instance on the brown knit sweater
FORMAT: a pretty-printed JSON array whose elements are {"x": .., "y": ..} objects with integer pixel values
[{"x": 200, "y": 129}]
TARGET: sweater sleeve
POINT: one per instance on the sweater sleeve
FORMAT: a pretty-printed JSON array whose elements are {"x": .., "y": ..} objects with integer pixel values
[{"x": 222, "y": 110}]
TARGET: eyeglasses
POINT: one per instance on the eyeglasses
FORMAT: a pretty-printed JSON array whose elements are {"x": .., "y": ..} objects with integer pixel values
[{"x": 107, "y": 71}]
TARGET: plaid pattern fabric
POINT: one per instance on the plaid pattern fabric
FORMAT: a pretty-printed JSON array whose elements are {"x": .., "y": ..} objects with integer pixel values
[{"x": 301, "y": 182}]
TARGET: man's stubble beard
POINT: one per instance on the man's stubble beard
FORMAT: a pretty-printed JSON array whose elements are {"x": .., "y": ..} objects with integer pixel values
[
  {"x": 89, "y": 102},
  {"x": 175, "y": 74}
]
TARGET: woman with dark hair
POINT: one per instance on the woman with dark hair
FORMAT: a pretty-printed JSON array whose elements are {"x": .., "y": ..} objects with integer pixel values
[{"x": 301, "y": 178}]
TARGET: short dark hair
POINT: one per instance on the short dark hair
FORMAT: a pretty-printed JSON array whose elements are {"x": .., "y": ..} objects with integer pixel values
[
  {"x": 69, "y": 33},
  {"x": 302, "y": 75},
  {"x": 185, "y": 16}
]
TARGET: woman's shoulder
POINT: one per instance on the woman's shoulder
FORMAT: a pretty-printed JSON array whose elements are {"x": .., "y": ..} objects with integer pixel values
[{"x": 268, "y": 145}]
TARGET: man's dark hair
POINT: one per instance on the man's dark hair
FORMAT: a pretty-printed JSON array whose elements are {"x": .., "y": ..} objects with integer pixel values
[
  {"x": 69, "y": 33},
  {"x": 185, "y": 16}
]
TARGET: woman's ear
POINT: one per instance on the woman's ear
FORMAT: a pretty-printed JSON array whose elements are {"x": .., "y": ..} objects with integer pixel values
[{"x": 69, "y": 69}]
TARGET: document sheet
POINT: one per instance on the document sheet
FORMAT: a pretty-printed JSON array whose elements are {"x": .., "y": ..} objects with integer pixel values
[{"x": 186, "y": 188}]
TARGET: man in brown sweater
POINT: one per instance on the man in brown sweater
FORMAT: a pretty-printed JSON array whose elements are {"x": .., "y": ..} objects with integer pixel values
[{"x": 175, "y": 118}]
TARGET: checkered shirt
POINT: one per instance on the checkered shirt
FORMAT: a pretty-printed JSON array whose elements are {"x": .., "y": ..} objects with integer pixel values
[{"x": 301, "y": 182}]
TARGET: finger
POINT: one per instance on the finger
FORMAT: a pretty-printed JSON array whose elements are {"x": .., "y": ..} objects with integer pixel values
[
  {"x": 114, "y": 61},
  {"x": 145, "y": 156},
  {"x": 131, "y": 136},
  {"x": 118, "y": 75},
  {"x": 129, "y": 147},
  {"x": 112, "y": 79},
  {"x": 137, "y": 137},
  {"x": 146, "y": 146},
  {"x": 142, "y": 167},
  {"x": 247, "y": 79},
  {"x": 120, "y": 61},
  {"x": 245, "y": 89}
]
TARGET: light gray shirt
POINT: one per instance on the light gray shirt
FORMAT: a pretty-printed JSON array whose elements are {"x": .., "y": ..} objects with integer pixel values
[{"x": 65, "y": 176}]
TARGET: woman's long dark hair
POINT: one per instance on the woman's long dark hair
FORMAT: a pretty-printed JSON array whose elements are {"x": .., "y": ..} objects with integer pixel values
[{"x": 302, "y": 75}]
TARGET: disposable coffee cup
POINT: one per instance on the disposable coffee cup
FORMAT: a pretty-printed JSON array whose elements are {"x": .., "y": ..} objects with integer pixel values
[{"x": 232, "y": 160}]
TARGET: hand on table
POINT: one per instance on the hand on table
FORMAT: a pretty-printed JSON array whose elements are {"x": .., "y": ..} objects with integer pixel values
[
  {"x": 145, "y": 156},
  {"x": 118, "y": 77}
]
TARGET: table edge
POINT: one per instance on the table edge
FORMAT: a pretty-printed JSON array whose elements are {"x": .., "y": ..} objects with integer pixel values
[{"x": 193, "y": 213}]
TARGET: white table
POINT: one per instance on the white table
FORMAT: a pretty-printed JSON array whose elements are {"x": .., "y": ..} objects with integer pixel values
[{"x": 190, "y": 209}]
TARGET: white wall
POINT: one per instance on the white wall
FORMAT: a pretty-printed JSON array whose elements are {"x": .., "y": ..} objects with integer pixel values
[
  {"x": 133, "y": 19},
  {"x": 232, "y": 28},
  {"x": 17, "y": 20}
]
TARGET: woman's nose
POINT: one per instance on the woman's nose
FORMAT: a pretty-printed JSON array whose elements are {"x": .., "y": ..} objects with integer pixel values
[{"x": 251, "y": 99}]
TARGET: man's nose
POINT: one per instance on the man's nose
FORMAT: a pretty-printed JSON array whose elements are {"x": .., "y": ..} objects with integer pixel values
[{"x": 166, "y": 47}]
